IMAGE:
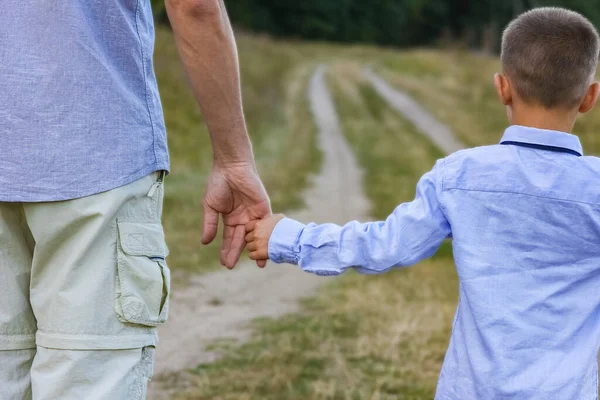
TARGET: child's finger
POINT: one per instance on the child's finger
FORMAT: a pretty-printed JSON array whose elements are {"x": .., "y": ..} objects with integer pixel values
[
  {"x": 251, "y": 246},
  {"x": 255, "y": 255},
  {"x": 250, "y": 237},
  {"x": 250, "y": 226}
]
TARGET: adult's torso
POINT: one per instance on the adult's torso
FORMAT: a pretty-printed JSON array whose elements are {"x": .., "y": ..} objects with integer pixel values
[
  {"x": 79, "y": 106},
  {"x": 526, "y": 236}
]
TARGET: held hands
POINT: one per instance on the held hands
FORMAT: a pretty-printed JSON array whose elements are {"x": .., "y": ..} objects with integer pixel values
[
  {"x": 237, "y": 194},
  {"x": 258, "y": 233}
]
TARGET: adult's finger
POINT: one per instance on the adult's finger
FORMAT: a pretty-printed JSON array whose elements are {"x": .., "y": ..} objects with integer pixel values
[
  {"x": 236, "y": 246},
  {"x": 261, "y": 263},
  {"x": 228, "y": 232},
  {"x": 211, "y": 225}
]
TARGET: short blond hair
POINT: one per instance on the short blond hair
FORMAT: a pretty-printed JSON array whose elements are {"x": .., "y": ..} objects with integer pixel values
[{"x": 551, "y": 55}]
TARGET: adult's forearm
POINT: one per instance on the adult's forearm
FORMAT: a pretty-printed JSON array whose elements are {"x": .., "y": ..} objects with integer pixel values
[{"x": 207, "y": 48}]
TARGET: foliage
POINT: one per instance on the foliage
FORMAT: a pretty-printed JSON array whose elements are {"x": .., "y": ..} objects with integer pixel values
[{"x": 387, "y": 22}]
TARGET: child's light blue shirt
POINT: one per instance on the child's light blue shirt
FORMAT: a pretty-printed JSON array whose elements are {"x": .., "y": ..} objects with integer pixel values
[{"x": 525, "y": 221}]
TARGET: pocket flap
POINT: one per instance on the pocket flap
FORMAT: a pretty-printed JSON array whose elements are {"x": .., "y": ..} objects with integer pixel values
[{"x": 142, "y": 239}]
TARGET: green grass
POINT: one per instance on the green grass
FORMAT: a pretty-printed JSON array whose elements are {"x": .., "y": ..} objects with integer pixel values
[
  {"x": 279, "y": 124},
  {"x": 362, "y": 337}
]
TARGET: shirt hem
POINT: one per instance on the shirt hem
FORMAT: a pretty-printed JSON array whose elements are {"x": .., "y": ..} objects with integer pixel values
[{"x": 35, "y": 198}]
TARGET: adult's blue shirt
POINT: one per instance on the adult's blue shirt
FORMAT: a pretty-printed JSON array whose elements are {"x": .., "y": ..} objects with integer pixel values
[
  {"x": 80, "y": 111},
  {"x": 524, "y": 217}
]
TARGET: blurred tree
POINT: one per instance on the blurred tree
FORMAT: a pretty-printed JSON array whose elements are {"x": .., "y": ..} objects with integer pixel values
[
  {"x": 589, "y": 8},
  {"x": 160, "y": 13},
  {"x": 389, "y": 22}
]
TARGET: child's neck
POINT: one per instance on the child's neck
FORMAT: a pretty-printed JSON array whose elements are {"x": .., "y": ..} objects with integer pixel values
[{"x": 543, "y": 118}]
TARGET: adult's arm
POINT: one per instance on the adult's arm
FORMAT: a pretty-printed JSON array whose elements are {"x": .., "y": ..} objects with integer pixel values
[{"x": 208, "y": 51}]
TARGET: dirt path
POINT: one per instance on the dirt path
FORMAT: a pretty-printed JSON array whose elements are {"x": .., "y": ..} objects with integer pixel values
[
  {"x": 220, "y": 304},
  {"x": 437, "y": 132}
]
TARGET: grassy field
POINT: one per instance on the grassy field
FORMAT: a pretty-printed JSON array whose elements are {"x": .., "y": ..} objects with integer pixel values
[
  {"x": 457, "y": 87},
  {"x": 279, "y": 123},
  {"x": 363, "y": 337}
]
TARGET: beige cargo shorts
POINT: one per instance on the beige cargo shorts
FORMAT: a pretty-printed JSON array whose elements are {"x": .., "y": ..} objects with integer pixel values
[{"x": 83, "y": 285}]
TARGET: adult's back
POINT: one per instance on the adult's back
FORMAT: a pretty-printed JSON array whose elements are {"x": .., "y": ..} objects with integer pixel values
[{"x": 78, "y": 94}]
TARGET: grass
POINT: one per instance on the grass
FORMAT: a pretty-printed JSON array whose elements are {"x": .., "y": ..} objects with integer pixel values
[
  {"x": 279, "y": 123},
  {"x": 381, "y": 337},
  {"x": 457, "y": 88},
  {"x": 362, "y": 338}
]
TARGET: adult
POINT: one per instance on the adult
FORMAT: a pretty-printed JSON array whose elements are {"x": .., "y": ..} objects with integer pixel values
[{"x": 83, "y": 158}]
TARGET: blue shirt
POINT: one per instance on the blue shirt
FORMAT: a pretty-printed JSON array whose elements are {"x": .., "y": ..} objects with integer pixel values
[
  {"x": 79, "y": 106},
  {"x": 525, "y": 221}
]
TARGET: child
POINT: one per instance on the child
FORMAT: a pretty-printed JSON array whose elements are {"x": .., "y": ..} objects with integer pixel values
[{"x": 524, "y": 217}]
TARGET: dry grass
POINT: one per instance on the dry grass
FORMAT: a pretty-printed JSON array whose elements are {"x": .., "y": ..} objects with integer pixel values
[{"x": 362, "y": 338}]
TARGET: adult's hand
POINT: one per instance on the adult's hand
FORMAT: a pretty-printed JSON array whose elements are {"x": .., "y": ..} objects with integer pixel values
[{"x": 238, "y": 195}]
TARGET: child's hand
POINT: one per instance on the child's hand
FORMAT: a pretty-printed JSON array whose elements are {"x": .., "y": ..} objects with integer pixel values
[{"x": 258, "y": 235}]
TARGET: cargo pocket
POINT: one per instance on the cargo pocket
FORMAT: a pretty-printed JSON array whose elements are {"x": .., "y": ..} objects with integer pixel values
[{"x": 143, "y": 278}]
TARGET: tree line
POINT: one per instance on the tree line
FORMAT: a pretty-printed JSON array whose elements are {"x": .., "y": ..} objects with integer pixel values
[{"x": 402, "y": 23}]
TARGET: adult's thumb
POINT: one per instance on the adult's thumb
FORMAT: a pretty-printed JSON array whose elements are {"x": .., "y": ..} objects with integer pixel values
[{"x": 211, "y": 225}]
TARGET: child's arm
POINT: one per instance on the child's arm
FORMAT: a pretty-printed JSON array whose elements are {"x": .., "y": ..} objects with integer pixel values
[{"x": 413, "y": 232}]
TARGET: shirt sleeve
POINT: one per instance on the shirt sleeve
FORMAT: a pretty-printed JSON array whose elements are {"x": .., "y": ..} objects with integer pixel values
[{"x": 413, "y": 232}]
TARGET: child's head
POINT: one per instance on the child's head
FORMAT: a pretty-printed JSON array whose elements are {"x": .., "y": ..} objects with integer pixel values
[{"x": 549, "y": 59}]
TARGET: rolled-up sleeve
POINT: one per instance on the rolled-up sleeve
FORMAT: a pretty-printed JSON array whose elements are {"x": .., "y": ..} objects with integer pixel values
[{"x": 414, "y": 231}]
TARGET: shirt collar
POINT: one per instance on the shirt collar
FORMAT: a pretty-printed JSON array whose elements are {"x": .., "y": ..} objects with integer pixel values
[{"x": 542, "y": 138}]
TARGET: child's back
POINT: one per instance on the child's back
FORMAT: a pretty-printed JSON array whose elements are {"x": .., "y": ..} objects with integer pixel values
[{"x": 526, "y": 237}]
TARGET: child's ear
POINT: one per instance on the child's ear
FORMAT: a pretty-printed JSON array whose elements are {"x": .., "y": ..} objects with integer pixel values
[
  {"x": 503, "y": 89},
  {"x": 590, "y": 99}
]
